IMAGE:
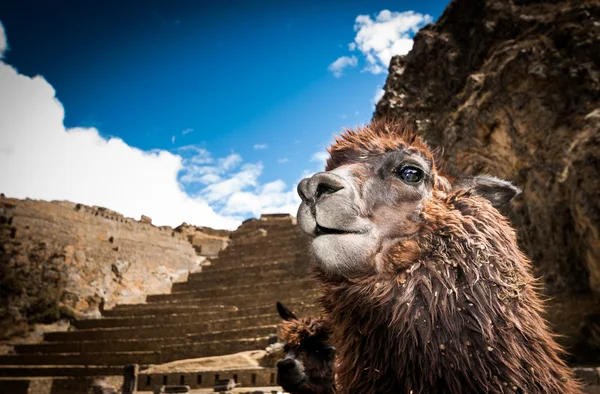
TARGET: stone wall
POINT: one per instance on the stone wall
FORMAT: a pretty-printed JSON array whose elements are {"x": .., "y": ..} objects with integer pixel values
[{"x": 61, "y": 259}]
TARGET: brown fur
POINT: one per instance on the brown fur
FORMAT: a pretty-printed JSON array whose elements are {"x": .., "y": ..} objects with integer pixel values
[
  {"x": 295, "y": 331},
  {"x": 379, "y": 137},
  {"x": 306, "y": 342},
  {"x": 453, "y": 309}
]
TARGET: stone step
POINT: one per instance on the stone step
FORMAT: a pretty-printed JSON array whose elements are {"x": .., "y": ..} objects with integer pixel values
[
  {"x": 232, "y": 302},
  {"x": 267, "y": 276},
  {"x": 173, "y": 308},
  {"x": 251, "y": 262},
  {"x": 297, "y": 240},
  {"x": 263, "y": 250},
  {"x": 242, "y": 300},
  {"x": 158, "y": 309},
  {"x": 255, "y": 240},
  {"x": 272, "y": 232},
  {"x": 166, "y": 354},
  {"x": 239, "y": 264},
  {"x": 273, "y": 228},
  {"x": 212, "y": 274},
  {"x": 162, "y": 329},
  {"x": 20, "y": 371},
  {"x": 181, "y": 318},
  {"x": 149, "y": 344},
  {"x": 153, "y": 320},
  {"x": 253, "y": 243},
  {"x": 282, "y": 284},
  {"x": 261, "y": 288},
  {"x": 225, "y": 272},
  {"x": 255, "y": 235},
  {"x": 118, "y": 307},
  {"x": 114, "y": 358},
  {"x": 216, "y": 348}
]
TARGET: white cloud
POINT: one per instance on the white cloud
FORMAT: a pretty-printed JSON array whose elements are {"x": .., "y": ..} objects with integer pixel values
[
  {"x": 374, "y": 69},
  {"x": 196, "y": 170},
  {"x": 246, "y": 177},
  {"x": 3, "y": 42},
  {"x": 42, "y": 159},
  {"x": 338, "y": 67},
  {"x": 320, "y": 157},
  {"x": 230, "y": 162},
  {"x": 389, "y": 34},
  {"x": 378, "y": 95},
  {"x": 241, "y": 194},
  {"x": 209, "y": 178},
  {"x": 283, "y": 160},
  {"x": 260, "y": 146},
  {"x": 270, "y": 198},
  {"x": 386, "y": 36},
  {"x": 172, "y": 139},
  {"x": 193, "y": 173},
  {"x": 187, "y": 131},
  {"x": 193, "y": 154}
]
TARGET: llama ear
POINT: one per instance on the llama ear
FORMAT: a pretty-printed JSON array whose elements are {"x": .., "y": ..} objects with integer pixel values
[
  {"x": 497, "y": 191},
  {"x": 285, "y": 313}
]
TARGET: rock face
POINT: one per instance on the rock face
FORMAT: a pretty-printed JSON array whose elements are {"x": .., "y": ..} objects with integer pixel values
[
  {"x": 512, "y": 89},
  {"x": 59, "y": 259}
]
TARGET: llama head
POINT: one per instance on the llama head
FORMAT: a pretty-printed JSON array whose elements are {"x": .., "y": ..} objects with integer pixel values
[
  {"x": 307, "y": 367},
  {"x": 371, "y": 197}
]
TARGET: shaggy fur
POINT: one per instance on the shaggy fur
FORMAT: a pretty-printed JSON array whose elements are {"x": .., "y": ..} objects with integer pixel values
[
  {"x": 309, "y": 358},
  {"x": 452, "y": 308}
]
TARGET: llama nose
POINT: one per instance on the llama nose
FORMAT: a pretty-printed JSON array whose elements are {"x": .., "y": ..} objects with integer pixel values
[
  {"x": 303, "y": 190},
  {"x": 321, "y": 184},
  {"x": 286, "y": 364}
]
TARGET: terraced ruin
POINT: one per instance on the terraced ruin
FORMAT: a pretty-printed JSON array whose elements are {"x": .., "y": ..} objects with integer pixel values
[{"x": 227, "y": 307}]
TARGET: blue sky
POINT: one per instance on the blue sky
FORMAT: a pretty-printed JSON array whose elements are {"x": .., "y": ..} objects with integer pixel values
[{"x": 229, "y": 104}]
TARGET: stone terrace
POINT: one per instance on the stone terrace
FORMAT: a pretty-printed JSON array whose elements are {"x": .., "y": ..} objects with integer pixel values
[{"x": 226, "y": 308}]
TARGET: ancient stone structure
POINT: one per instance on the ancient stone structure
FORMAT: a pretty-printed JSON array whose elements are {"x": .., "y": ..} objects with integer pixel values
[
  {"x": 227, "y": 307},
  {"x": 512, "y": 89},
  {"x": 206, "y": 241},
  {"x": 60, "y": 259}
]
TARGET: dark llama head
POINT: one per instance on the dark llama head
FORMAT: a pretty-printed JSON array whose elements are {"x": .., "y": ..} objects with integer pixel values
[
  {"x": 307, "y": 367},
  {"x": 424, "y": 285}
]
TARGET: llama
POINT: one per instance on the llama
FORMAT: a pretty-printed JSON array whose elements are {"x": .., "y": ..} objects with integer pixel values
[
  {"x": 424, "y": 286},
  {"x": 307, "y": 367}
]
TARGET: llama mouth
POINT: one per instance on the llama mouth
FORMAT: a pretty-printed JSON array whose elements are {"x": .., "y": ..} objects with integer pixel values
[{"x": 320, "y": 230}]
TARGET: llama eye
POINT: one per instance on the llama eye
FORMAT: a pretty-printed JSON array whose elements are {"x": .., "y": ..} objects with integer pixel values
[{"x": 410, "y": 174}]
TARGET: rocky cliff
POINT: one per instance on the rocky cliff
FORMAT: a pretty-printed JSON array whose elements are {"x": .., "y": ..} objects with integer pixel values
[
  {"x": 59, "y": 259},
  {"x": 512, "y": 89}
]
